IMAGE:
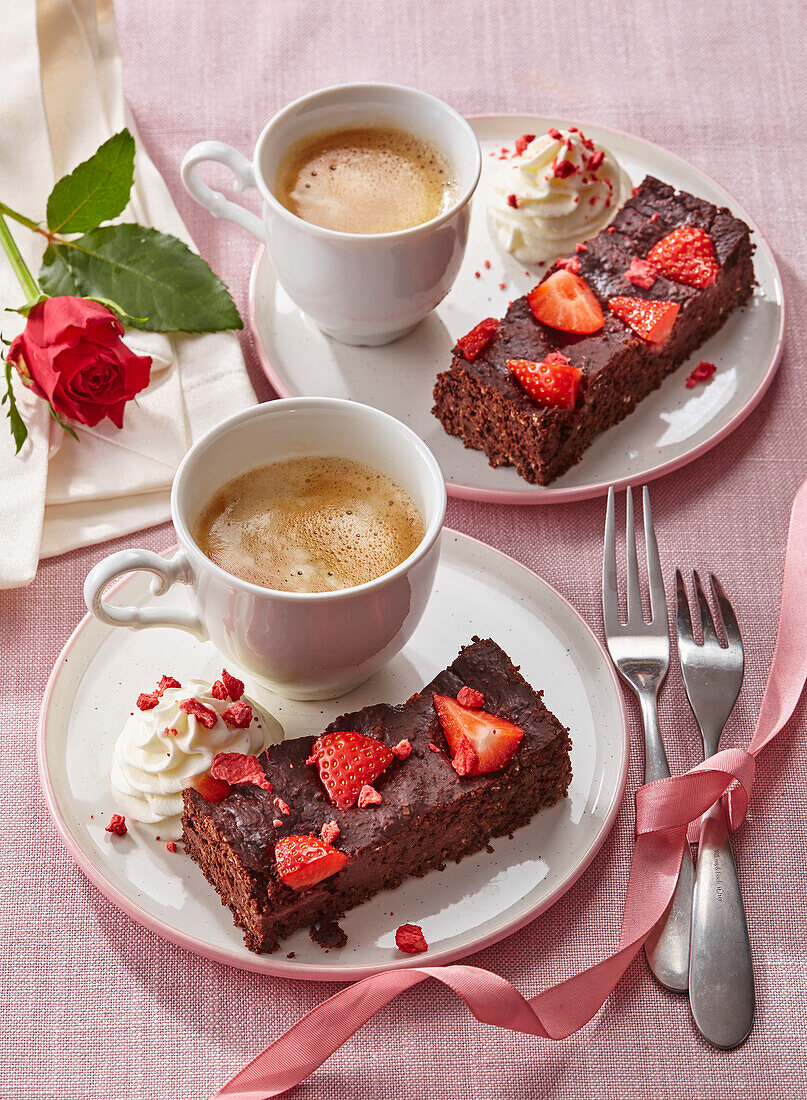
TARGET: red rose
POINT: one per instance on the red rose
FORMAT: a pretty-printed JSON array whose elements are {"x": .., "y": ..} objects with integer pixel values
[{"x": 71, "y": 353}]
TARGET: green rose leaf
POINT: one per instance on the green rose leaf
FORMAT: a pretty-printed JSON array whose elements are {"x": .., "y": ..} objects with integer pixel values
[
  {"x": 150, "y": 274},
  {"x": 97, "y": 190},
  {"x": 19, "y": 431}
]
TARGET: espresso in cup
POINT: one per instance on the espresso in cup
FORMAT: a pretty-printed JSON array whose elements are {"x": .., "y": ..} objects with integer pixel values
[
  {"x": 313, "y": 524},
  {"x": 370, "y": 179}
]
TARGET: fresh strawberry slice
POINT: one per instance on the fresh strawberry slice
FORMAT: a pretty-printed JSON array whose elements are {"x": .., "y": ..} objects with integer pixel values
[
  {"x": 346, "y": 761},
  {"x": 212, "y": 790},
  {"x": 566, "y": 302},
  {"x": 478, "y": 338},
  {"x": 306, "y": 860},
  {"x": 652, "y": 320},
  {"x": 553, "y": 382},
  {"x": 686, "y": 255},
  {"x": 479, "y": 742}
]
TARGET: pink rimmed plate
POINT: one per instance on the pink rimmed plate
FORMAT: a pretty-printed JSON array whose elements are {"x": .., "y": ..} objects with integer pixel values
[
  {"x": 670, "y": 428},
  {"x": 472, "y": 904}
]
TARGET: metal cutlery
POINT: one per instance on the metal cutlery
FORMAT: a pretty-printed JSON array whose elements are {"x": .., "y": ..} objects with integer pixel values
[
  {"x": 641, "y": 652},
  {"x": 721, "y": 976}
]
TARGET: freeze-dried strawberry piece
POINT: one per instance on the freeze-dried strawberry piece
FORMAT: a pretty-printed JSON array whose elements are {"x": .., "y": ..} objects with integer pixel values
[
  {"x": 402, "y": 749},
  {"x": 595, "y": 160},
  {"x": 329, "y": 832},
  {"x": 580, "y": 247},
  {"x": 465, "y": 760},
  {"x": 555, "y": 133},
  {"x": 235, "y": 767},
  {"x": 235, "y": 687},
  {"x": 368, "y": 796},
  {"x": 410, "y": 938},
  {"x": 218, "y": 690},
  {"x": 211, "y": 790},
  {"x": 433, "y": 747},
  {"x": 512, "y": 200},
  {"x": 117, "y": 825},
  {"x": 282, "y": 806},
  {"x": 277, "y": 822},
  {"x": 641, "y": 273},
  {"x": 149, "y": 700},
  {"x": 562, "y": 169},
  {"x": 569, "y": 263},
  {"x": 702, "y": 373},
  {"x": 478, "y": 338},
  {"x": 522, "y": 142},
  {"x": 238, "y": 715},
  {"x": 171, "y": 846},
  {"x": 203, "y": 714},
  {"x": 470, "y": 697}
]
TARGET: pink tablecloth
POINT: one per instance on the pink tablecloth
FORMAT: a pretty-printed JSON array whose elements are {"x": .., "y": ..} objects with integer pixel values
[{"x": 96, "y": 1008}]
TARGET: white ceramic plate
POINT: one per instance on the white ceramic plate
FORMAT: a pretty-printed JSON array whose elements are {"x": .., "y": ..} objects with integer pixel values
[
  {"x": 476, "y": 902},
  {"x": 669, "y": 428}
]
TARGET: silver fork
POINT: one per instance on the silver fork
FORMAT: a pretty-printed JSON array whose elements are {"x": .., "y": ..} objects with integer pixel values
[
  {"x": 721, "y": 975},
  {"x": 641, "y": 652}
]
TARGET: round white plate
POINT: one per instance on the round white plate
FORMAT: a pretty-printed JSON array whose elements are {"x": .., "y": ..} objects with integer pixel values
[
  {"x": 102, "y": 670},
  {"x": 668, "y": 429}
]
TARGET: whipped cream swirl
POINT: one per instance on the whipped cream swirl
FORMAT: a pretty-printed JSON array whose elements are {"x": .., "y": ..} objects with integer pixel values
[
  {"x": 559, "y": 191},
  {"x": 160, "y": 751}
]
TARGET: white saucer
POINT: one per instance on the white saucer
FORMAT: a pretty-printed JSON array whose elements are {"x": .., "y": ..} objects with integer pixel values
[
  {"x": 102, "y": 669},
  {"x": 671, "y": 427}
]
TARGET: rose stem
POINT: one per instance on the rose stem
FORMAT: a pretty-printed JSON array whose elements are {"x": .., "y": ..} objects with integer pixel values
[{"x": 19, "y": 267}]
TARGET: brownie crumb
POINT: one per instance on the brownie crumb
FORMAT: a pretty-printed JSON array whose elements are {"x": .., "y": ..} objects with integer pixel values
[{"x": 328, "y": 934}]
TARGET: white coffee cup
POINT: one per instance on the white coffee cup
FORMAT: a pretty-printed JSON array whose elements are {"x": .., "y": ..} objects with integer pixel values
[
  {"x": 359, "y": 288},
  {"x": 302, "y": 645}
]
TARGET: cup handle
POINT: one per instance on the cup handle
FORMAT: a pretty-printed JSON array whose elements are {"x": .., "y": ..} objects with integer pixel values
[
  {"x": 214, "y": 201},
  {"x": 167, "y": 571}
]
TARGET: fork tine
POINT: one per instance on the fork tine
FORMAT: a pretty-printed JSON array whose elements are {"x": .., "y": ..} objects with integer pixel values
[
  {"x": 634, "y": 600},
  {"x": 726, "y": 612},
  {"x": 658, "y": 600},
  {"x": 610, "y": 599},
  {"x": 709, "y": 632},
  {"x": 682, "y": 616}
]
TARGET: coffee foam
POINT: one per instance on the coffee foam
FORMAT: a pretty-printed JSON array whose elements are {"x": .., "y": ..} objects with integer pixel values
[
  {"x": 368, "y": 180},
  {"x": 315, "y": 524}
]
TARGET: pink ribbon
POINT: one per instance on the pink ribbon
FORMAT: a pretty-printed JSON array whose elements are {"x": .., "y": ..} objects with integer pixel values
[{"x": 664, "y": 810}]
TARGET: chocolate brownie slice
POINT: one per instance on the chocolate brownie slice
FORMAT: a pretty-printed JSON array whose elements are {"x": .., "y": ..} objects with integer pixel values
[
  {"x": 428, "y": 814},
  {"x": 483, "y": 403}
]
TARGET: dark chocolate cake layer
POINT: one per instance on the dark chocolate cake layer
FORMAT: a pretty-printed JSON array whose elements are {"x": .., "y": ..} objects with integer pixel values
[
  {"x": 428, "y": 815},
  {"x": 483, "y": 403}
]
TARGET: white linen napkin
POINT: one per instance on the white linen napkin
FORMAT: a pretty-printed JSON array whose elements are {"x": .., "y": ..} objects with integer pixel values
[{"x": 63, "y": 100}]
